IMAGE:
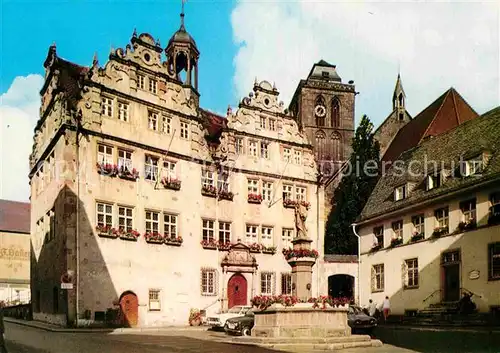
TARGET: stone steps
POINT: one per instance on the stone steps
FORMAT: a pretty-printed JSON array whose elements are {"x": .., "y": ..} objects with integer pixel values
[
  {"x": 308, "y": 340},
  {"x": 304, "y": 347}
]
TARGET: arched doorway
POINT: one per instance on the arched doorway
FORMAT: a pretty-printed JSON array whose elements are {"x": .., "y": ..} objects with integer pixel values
[
  {"x": 341, "y": 286},
  {"x": 129, "y": 307},
  {"x": 237, "y": 290}
]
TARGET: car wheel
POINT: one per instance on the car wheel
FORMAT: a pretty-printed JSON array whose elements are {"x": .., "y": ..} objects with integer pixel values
[{"x": 246, "y": 332}]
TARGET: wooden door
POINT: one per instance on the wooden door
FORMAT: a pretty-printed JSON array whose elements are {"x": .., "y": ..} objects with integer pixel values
[
  {"x": 129, "y": 305},
  {"x": 451, "y": 282},
  {"x": 237, "y": 290}
]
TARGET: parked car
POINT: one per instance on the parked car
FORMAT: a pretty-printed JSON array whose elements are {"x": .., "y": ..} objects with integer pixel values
[
  {"x": 240, "y": 325},
  {"x": 358, "y": 320},
  {"x": 219, "y": 320}
]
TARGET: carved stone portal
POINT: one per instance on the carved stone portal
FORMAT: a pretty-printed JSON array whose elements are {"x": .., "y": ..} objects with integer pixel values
[{"x": 239, "y": 259}]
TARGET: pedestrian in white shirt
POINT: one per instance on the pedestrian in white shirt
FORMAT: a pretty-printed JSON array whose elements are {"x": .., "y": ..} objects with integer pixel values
[{"x": 387, "y": 308}]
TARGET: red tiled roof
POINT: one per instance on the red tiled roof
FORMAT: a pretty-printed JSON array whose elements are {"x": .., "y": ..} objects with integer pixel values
[
  {"x": 214, "y": 123},
  {"x": 14, "y": 216},
  {"x": 442, "y": 115}
]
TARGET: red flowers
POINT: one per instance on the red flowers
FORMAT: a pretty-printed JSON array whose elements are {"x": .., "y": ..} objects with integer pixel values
[
  {"x": 289, "y": 203},
  {"x": 324, "y": 299},
  {"x": 171, "y": 183},
  {"x": 107, "y": 169},
  {"x": 291, "y": 253},
  {"x": 254, "y": 198},
  {"x": 263, "y": 302}
]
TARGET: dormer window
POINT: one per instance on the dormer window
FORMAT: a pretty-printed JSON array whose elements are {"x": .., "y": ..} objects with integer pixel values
[
  {"x": 433, "y": 181},
  {"x": 325, "y": 74},
  {"x": 400, "y": 193},
  {"x": 472, "y": 166}
]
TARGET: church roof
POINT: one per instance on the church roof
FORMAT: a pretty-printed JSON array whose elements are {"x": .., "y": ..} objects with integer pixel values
[
  {"x": 467, "y": 140},
  {"x": 324, "y": 71},
  {"x": 445, "y": 113}
]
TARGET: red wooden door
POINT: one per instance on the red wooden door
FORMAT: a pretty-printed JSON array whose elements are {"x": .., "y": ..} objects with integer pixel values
[
  {"x": 129, "y": 305},
  {"x": 237, "y": 290}
]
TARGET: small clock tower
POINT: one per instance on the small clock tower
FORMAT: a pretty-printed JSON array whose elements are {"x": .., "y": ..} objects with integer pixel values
[{"x": 324, "y": 108}]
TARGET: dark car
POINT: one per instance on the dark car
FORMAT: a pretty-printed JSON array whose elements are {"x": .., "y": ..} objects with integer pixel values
[
  {"x": 241, "y": 325},
  {"x": 358, "y": 320}
]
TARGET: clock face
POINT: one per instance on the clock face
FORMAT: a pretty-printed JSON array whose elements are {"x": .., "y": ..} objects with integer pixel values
[{"x": 320, "y": 110}]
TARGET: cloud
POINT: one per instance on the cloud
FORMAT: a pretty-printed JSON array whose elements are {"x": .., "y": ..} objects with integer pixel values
[
  {"x": 435, "y": 45},
  {"x": 18, "y": 116}
]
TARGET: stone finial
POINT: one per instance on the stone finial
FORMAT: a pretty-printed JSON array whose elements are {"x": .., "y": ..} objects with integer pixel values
[
  {"x": 274, "y": 86},
  {"x": 112, "y": 50},
  {"x": 95, "y": 61},
  {"x": 158, "y": 42},
  {"x": 134, "y": 35},
  {"x": 229, "y": 110},
  {"x": 255, "y": 83}
]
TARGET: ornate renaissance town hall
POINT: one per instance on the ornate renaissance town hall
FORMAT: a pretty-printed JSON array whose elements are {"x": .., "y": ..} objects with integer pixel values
[{"x": 143, "y": 200}]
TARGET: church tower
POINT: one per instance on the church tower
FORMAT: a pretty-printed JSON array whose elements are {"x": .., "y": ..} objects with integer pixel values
[
  {"x": 399, "y": 99},
  {"x": 324, "y": 109}
]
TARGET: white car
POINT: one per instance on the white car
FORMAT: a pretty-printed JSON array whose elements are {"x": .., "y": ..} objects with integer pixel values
[{"x": 219, "y": 320}]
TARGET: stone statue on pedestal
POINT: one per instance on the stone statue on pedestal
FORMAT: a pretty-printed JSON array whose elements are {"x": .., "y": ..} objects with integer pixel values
[{"x": 300, "y": 221}]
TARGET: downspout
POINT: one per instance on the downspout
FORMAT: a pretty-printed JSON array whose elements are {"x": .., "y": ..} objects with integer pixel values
[
  {"x": 77, "y": 219},
  {"x": 318, "y": 228},
  {"x": 359, "y": 261}
]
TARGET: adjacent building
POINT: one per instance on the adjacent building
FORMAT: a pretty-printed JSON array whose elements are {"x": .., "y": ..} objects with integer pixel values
[
  {"x": 145, "y": 202},
  {"x": 14, "y": 252},
  {"x": 430, "y": 231}
]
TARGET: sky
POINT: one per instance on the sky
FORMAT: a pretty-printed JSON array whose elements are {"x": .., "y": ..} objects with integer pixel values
[{"x": 433, "y": 45}]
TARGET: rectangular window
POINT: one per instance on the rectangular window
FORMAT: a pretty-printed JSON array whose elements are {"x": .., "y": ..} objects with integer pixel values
[
  {"x": 151, "y": 168},
  {"x": 125, "y": 218},
  {"x": 107, "y": 106},
  {"x": 152, "y": 222},
  {"x": 379, "y": 235},
  {"x": 223, "y": 182},
  {"x": 287, "y": 192},
  {"x": 167, "y": 125},
  {"x": 262, "y": 122},
  {"x": 472, "y": 166},
  {"x": 286, "y": 238},
  {"x": 51, "y": 165},
  {"x": 287, "y": 154},
  {"x": 152, "y": 86},
  {"x": 123, "y": 111},
  {"x": 286, "y": 284},
  {"x": 378, "y": 278},
  {"x": 300, "y": 193},
  {"x": 169, "y": 170},
  {"x": 184, "y": 130},
  {"x": 266, "y": 235},
  {"x": 442, "y": 217},
  {"x": 272, "y": 124},
  {"x": 152, "y": 120},
  {"x": 252, "y": 148},
  {"x": 207, "y": 178},
  {"x": 208, "y": 282},
  {"x": 418, "y": 224},
  {"x": 52, "y": 224},
  {"x": 468, "y": 209},
  {"x": 154, "y": 300},
  {"x": 124, "y": 159},
  {"x": 251, "y": 234},
  {"x": 433, "y": 181},
  {"x": 208, "y": 230},
  {"x": 297, "y": 157},
  {"x": 224, "y": 232},
  {"x": 41, "y": 178},
  {"x": 104, "y": 154},
  {"x": 397, "y": 228},
  {"x": 411, "y": 273},
  {"x": 400, "y": 193},
  {"x": 170, "y": 225},
  {"x": 141, "y": 81},
  {"x": 253, "y": 186},
  {"x": 267, "y": 191},
  {"x": 238, "y": 145},
  {"x": 494, "y": 261},
  {"x": 266, "y": 283},
  {"x": 104, "y": 214},
  {"x": 264, "y": 150}
]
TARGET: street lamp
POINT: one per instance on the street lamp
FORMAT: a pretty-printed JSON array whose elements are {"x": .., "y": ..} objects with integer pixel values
[{"x": 359, "y": 260}]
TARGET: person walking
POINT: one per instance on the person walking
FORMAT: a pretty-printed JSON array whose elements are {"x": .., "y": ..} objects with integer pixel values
[
  {"x": 372, "y": 308},
  {"x": 387, "y": 308},
  {"x": 3, "y": 349}
]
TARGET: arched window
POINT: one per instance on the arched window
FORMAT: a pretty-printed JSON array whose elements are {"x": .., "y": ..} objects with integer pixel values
[
  {"x": 335, "y": 112},
  {"x": 320, "y": 145},
  {"x": 336, "y": 147},
  {"x": 401, "y": 101},
  {"x": 320, "y": 111}
]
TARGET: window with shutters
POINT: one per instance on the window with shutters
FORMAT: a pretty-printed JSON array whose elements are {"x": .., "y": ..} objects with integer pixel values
[
  {"x": 378, "y": 278},
  {"x": 266, "y": 283},
  {"x": 494, "y": 261},
  {"x": 104, "y": 214},
  {"x": 286, "y": 284},
  {"x": 125, "y": 218}
]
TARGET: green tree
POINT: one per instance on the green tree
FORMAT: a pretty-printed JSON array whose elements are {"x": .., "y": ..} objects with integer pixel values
[{"x": 352, "y": 193}]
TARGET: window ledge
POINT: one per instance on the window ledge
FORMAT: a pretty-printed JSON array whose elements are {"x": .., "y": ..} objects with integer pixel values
[
  {"x": 377, "y": 290},
  {"x": 493, "y": 279},
  {"x": 410, "y": 287}
]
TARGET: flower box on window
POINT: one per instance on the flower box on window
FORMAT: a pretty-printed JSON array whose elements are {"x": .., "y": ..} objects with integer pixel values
[
  {"x": 396, "y": 241},
  {"x": 255, "y": 248},
  {"x": 107, "y": 231},
  {"x": 439, "y": 231},
  {"x": 254, "y": 198},
  {"x": 226, "y": 195},
  {"x": 224, "y": 246},
  {"x": 467, "y": 225},
  {"x": 305, "y": 204},
  {"x": 288, "y": 203},
  {"x": 173, "y": 240},
  {"x": 376, "y": 247},
  {"x": 269, "y": 250},
  {"x": 170, "y": 183},
  {"x": 131, "y": 235},
  {"x": 291, "y": 253},
  {"x": 209, "y": 191},
  {"x": 209, "y": 244},
  {"x": 107, "y": 169},
  {"x": 127, "y": 174},
  {"x": 416, "y": 236},
  {"x": 153, "y": 238}
]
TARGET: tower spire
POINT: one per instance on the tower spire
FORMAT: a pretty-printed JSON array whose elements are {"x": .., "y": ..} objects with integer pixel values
[
  {"x": 182, "y": 14},
  {"x": 399, "y": 96}
]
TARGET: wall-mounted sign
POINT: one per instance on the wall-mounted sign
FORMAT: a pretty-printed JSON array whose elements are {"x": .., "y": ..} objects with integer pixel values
[
  {"x": 14, "y": 253},
  {"x": 474, "y": 274},
  {"x": 66, "y": 285}
]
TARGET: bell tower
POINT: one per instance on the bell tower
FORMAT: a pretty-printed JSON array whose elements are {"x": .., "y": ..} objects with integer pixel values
[{"x": 183, "y": 55}]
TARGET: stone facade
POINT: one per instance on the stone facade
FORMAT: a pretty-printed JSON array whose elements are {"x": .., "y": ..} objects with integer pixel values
[{"x": 157, "y": 206}]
